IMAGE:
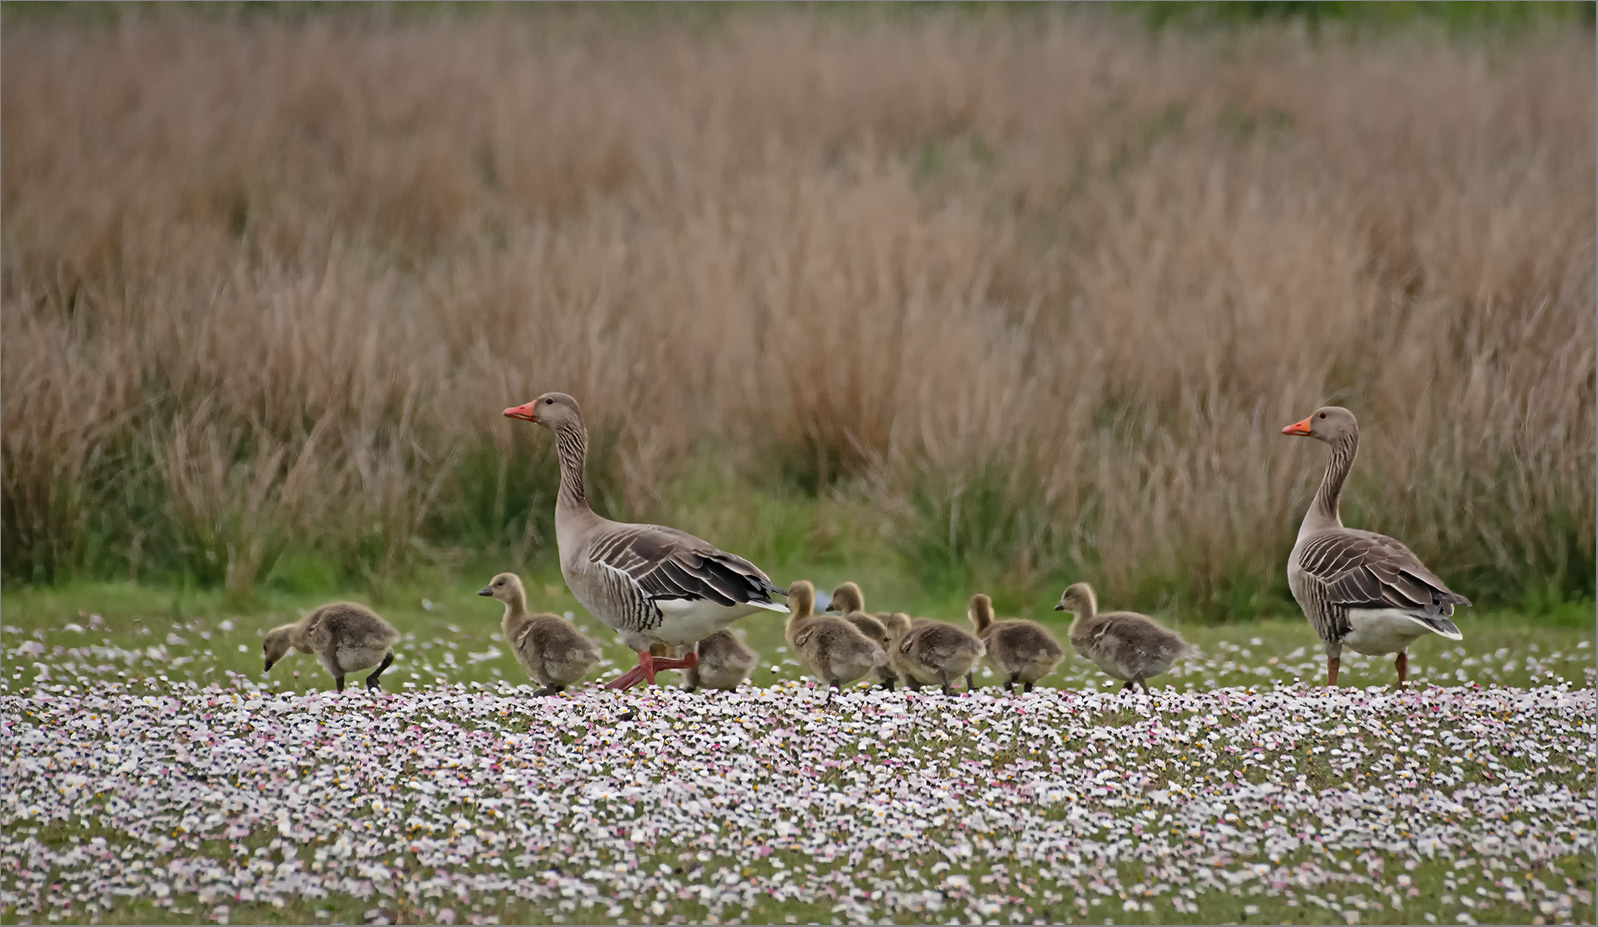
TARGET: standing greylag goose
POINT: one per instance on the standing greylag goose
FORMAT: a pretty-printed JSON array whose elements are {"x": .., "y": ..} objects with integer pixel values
[
  {"x": 927, "y": 651},
  {"x": 1019, "y": 651},
  {"x": 1360, "y": 589},
  {"x": 346, "y": 637},
  {"x": 850, "y": 602},
  {"x": 649, "y": 583},
  {"x": 1126, "y": 645},
  {"x": 553, "y": 652},
  {"x": 725, "y": 661},
  {"x": 833, "y": 649}
]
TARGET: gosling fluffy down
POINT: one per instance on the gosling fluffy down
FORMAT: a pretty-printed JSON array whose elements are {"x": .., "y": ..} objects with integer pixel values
[
  {"x": 554, "y": 653},
  {"x": 929, "y": 652},
  {"x": 850, "y": 602},
  {"x": 725, "y": 661},
  {"x": 832, "y": 648},
  {"x": 346, "y": 637},
  {"x": 1126, "y": 645},
  {"x": 1019, "y": 651}
]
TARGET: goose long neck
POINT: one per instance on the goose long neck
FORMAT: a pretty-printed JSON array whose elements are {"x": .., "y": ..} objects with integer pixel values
[
  {"x": 571, "y": 445},
  {"x": 1323, "y": 512}
]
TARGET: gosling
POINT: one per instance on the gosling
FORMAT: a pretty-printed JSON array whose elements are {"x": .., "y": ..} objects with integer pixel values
[
  {"x": 1126, "y": 645},
  {"x": 931, "y": 651},
  {"x": 346, "y": 637},
  {"x": 1020, "y": 651},
  {"x": 849, "y": 601},
  {"x": 832, "y": 649},
  {"x": 553, "y": 652},
  {"x": 725, "y": 661}
]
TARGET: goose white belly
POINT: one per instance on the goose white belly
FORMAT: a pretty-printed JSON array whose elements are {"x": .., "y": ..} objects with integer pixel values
[
  {"x": 1376, "y": 632},
  {"x": 689, "y": 622}
]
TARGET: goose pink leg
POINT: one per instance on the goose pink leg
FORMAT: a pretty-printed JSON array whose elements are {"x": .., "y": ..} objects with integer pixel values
[{"x": 648, "y": 666}]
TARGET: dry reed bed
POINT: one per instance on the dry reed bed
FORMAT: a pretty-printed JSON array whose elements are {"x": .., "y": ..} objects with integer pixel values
[{"x": 1041, "y": 290}]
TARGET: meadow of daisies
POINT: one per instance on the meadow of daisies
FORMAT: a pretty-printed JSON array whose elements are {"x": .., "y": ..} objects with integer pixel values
[{"x": 156, "y": 775}]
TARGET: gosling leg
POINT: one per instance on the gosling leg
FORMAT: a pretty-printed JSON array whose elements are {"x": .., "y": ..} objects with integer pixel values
[
  {"x": 1009, "y": 684},
  {"x": 339, "y": 681},
  {"x": 550, "y": 689},
  {"x": 971, "y": 682},
  {"x": 1027, "y": 687},
  {"x": 947, "y": 689},
  {"x": 372, "y": 682}
]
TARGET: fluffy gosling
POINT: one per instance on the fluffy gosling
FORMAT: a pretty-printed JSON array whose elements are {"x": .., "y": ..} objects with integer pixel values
[
  {"x": 346, "y": 637},
  {"x": 1127, "y": 645},
  {"x": 1019, "y": 651},
  {"x": 554, "y": 653}
]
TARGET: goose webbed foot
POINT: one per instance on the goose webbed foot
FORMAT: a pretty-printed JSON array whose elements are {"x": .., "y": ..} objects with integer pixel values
[{"x": 648, "y": 666}]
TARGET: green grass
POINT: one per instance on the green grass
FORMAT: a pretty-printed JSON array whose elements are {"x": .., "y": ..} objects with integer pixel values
[
  {"x": 446, "y": 622},
  {"x": 154, "y": 640}
]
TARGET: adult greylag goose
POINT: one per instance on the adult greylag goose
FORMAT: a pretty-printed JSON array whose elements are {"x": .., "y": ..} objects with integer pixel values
[
  {"x": 554, "y": 653},
  {"x": 1019, "y": 651},
  {"x": 1359, "y": 589},
  {"x": 346, "y": 637},
  {"x": 927, "y": 651},
  {"x": 833, "y": 649},
  {"x": 850, "y": 602},
  {"x": 649, "y": 583},
  {"x": 1126, "y": 645},
  {"x": 725, "y": 661}
]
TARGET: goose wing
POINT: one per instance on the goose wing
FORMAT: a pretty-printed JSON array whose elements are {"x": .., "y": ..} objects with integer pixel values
[
  {"x": 667, "y": 564},
  {"x": 1362, "y": 569}
]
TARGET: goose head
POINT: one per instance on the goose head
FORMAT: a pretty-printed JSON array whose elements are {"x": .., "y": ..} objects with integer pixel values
[
  {"x": 552, "y": 410},
  {"x": 1328, "y": 423}
]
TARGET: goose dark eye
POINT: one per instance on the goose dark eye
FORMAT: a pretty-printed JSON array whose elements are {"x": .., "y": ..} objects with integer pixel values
[
  {"x": 1323, "y": 415},
  {"x": 550, "y": 402}
]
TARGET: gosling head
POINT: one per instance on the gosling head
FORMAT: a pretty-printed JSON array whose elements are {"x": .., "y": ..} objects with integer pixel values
[
  {"x": 897, "y": 625},
  {"x": 552, "y": 410},
  {"x": 847, "y": 599},
  {"x": 279, "y": 641},
  {"x": 801, "y": 598},
  {"x": 980, "y": 612},
  {"x": 1078, "y": 599},
  {"x": 506, "y": 587},
  {"x": 1328, "y": 423}
]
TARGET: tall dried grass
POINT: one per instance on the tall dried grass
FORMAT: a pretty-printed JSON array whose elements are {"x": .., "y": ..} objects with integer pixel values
[{"x": 1022, "y": 300}]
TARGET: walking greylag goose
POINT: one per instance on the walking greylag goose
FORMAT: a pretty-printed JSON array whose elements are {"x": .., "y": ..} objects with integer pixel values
[
  {"x": 927, "y": 651},
  {"x": 849, "y": 601},
  {"x": 725, "y": 661},
  {"x": 1127, "y": 645},
  {"x": 649, "y": 583},
  {"x": 346, "y": 637},
  {"x": 832, "y": 648},
  {"x": 1359, "y": 589},
  {"x": 1020, "y": 651},
  {"x": 553, "y": 652}
]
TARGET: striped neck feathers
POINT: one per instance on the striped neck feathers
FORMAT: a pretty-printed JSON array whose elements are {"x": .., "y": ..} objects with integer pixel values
[
  {"x": 1323, "y": 512},
  {"x": 571, "y": 445}
]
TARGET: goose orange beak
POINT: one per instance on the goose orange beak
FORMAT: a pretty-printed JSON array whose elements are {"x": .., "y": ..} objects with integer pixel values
[
  {"x": 523, "y": 412},
  {"x": 1297, "y": 428}
]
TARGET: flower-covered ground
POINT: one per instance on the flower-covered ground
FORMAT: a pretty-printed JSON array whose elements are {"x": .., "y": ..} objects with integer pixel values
[{"x": 144, "y": 787}]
